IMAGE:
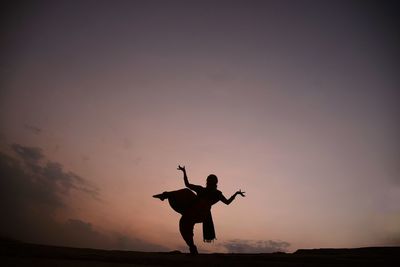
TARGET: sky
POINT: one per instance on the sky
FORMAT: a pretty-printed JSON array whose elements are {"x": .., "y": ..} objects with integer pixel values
[{"x": 294, "y": 102}]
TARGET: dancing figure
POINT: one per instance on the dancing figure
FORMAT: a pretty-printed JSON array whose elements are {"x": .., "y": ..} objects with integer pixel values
[{"x": 196, "y": 207}]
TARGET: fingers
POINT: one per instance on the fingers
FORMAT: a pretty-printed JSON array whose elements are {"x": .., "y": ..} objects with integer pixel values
[
  {"x": 181, "y": 168},
  {"x": 241, "y": 193}
]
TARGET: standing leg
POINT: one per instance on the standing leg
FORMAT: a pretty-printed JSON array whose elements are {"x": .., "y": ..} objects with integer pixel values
[{"x": 186, "y": 225}]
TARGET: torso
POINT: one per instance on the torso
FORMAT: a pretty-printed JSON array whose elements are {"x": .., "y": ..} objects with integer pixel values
[
  {"x": 212, "y": 196},
  {"x": 202, "y": 205}
]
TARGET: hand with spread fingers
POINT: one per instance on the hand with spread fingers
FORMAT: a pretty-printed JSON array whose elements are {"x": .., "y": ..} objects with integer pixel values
[
  {"x": 240, "y": 192},
  {"x": 181, "y": 168}
]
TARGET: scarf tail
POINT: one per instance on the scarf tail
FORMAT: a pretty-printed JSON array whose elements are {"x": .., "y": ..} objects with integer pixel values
[{"x": 208, "y": 229}]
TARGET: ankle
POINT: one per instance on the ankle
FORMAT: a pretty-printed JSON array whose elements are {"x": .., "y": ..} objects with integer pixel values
[{"x": 193, "y": 250}]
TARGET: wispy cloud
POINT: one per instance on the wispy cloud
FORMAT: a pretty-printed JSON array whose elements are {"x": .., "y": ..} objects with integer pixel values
[
  {"x": 33, "y": 129},
  {"x": 255, "y": 246},
  {"x": 50, "y": 175},
  {"x": 33, "y": 189}
]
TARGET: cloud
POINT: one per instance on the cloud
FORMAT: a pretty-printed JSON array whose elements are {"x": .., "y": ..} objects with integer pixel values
[
  {"x": 49, "y": 175},
  {"x": 28, "y": 154},
  {"x": 33, "y": 129},
  {"x": 33, "y": 189},
  {"x": 255, "y": 246}
]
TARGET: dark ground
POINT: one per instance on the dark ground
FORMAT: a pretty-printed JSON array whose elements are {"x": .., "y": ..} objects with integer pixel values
[{"x": 15, "y": 253}]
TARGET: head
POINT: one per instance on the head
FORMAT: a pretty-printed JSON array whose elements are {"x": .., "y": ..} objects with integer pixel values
[{"x": 212, "y": 181}]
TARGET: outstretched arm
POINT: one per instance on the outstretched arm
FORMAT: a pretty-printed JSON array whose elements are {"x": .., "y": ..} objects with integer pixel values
[
  {"x": 185, "y": 178},
  {"x": 228, "y": 201}
]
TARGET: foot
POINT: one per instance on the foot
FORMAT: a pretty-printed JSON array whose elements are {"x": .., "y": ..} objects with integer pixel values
[
  {"x": 193, "y": 250},
  {"x": 160, "y": 196}
]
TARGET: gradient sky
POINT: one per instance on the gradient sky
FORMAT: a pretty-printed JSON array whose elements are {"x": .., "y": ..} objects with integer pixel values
[{"x": 294, "y": 102}]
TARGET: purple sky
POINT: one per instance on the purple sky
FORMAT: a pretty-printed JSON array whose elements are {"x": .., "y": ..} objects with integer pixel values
[{"x": 294, "y": 102}]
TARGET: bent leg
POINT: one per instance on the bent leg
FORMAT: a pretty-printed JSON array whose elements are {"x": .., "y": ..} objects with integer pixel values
[{"x": 180, "y": 200}]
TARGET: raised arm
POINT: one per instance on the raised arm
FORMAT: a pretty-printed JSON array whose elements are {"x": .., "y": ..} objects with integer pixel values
[
  {"x": 228, "y": 201},
  {"x": 185, "y": 178}
]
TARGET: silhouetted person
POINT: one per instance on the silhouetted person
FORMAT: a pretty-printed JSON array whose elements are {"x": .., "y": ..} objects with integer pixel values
[{"x": 196, "y": 208}]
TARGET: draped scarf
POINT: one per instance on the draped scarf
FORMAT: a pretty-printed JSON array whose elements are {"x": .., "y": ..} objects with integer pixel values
[{"x": 208, "y": 229}]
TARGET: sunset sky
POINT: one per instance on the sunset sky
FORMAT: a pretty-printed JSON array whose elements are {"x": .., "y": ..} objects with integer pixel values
[{"x": 294, "y": 102}]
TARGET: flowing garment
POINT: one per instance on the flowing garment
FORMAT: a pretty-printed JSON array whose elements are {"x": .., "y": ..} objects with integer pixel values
[{"x": 195, "y": 209}]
